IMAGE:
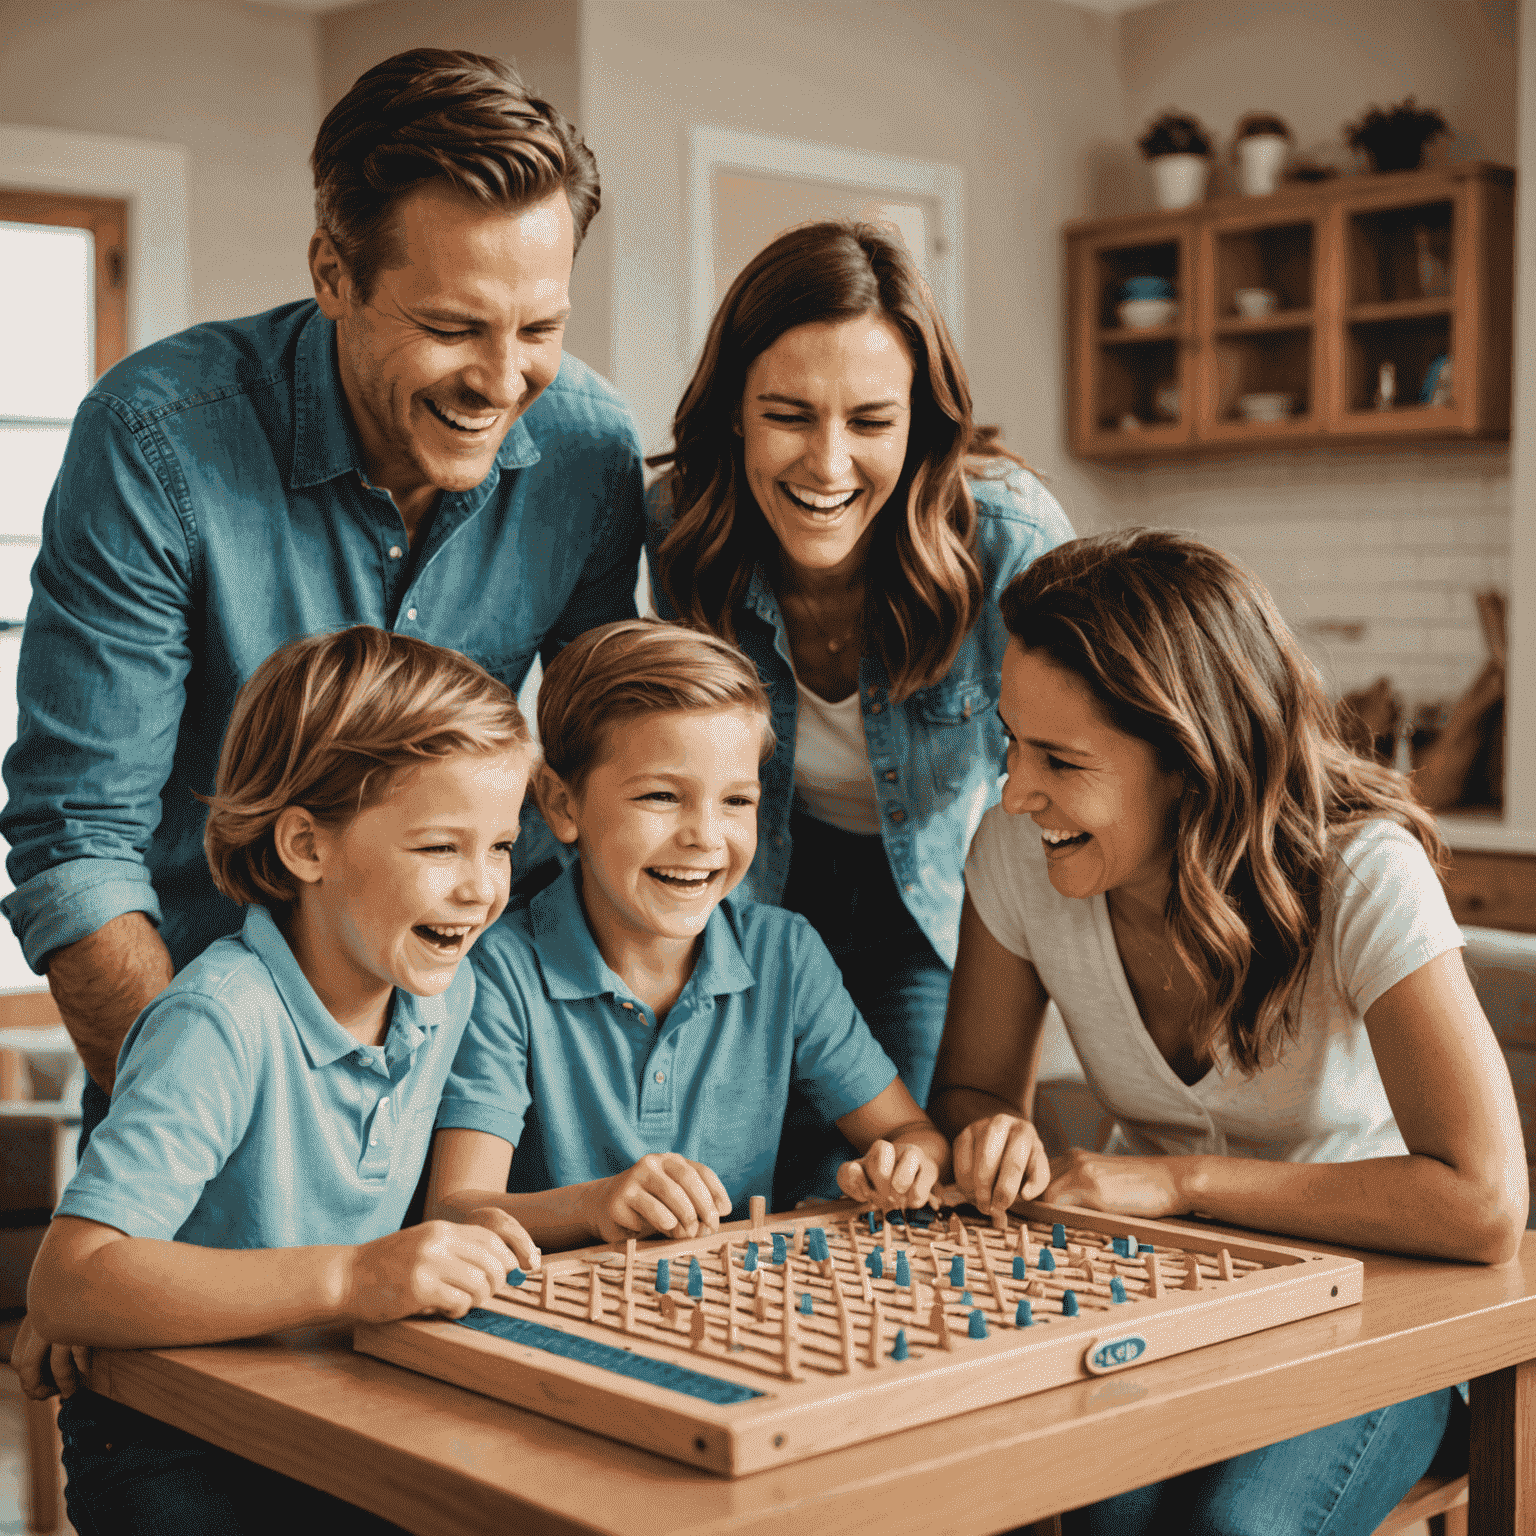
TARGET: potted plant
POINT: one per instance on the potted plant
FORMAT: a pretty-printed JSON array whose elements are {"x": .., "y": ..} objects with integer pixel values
[
  {"x": 1394, "y": 140},
  {"x": 1260, "y": 145},
  {"x": 1179, "y": 150}
]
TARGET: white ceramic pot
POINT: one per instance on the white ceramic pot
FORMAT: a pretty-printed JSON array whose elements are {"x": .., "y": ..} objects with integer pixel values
[
  {"x": 1179, "y": 180},
  {"x": 1260, "y": 159}
]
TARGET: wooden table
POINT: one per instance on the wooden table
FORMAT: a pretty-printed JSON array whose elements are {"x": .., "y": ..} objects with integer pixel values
[{"x": 443, "y": 1462}]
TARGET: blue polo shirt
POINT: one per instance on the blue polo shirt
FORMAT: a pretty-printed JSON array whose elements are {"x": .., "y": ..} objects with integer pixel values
[
  {"x": 245, "y": 1116},
  {"x": 563, "y": 1061}
]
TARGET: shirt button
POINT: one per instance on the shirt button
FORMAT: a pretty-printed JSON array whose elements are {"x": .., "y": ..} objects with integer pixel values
[
  {"x": 661, "y": 1077},
  {"x": 890, "y": 775},
  {"x": 909, "y": 888},
  {"x": 898, "y": 816},
  {"x": 876, "y": 707},
  {"x": 394, "y": 551},
  {"x": 410, "y": 613},
  {"x": 630, "y": 1006},
  {"x": 384, "y": 1101},
  {"x": 373, "y": 1141}
]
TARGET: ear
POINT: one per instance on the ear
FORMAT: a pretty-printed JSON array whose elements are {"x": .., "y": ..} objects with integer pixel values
[
  {"x": 298, "y": 839},
  {"x": 333, "y": 284},
  {"x": 556, "y": 802}
]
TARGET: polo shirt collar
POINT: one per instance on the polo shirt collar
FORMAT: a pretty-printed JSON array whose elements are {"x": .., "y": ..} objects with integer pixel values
[
  {"x": 324, "y": 1040},
  {"x": 325, "y": 443},
  {"x": 574, "y": 968}
]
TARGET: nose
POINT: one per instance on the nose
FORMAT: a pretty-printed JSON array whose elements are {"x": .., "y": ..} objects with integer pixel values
[
  {"x": 827, "y": 455},
  {"x": 705, "y": 828},
  {"x": 499, "y": 373},
  {"x": 481, "y": 880},
  {"x": 1020, "y": 795}
]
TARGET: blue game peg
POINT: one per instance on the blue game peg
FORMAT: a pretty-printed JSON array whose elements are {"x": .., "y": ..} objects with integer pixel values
[
  {"x": 1047, "y": 1260},
  {"x": 957, "y": 1270},
  {"x": 966, "y": 1299},
  {"x": 516, "y": 1277},
  {"x": 1025, "y": 1316},
  {"x": 875, "y": 1264},
  {"x": 1018, "y": 1266},
  {"x": 750, "y": 1262},
  {"x": 1058, "y": 1236},
  {"x": 900, "y": 1350},
  {"x": 1069, "y": 1303},
  {"x": 1145, "y": 1248},
  {"x": 869, "y": 1217},
  {"x": 780, "y": 1251},
  {"x": 1117, "y": 1289},
  {"x": 897, "y": 1218},
  {"x": 977, "y": 1327},
  {"x": 663, "y": 1275},
  {"x": 1118, "y": 1244},
  {"x": 695, "y": 1279},
  {"x": 903, "y": 1269},
  {"x": 816, "y": 1244},
  {"x": 806, "y": 1304}
]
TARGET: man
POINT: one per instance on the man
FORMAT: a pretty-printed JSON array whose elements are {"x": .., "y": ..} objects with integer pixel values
[{"x": 407, "y": 449}]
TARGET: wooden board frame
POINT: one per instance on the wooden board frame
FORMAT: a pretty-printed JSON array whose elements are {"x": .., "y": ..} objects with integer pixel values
[{"x": 841, "y": 1398}]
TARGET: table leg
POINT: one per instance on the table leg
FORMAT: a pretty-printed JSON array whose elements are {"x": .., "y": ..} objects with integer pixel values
[{"x": 1502, "y": 1481}]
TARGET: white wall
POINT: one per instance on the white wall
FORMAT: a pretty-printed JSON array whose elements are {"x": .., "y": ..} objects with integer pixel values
[
  {"x": 237, "y": 84},
  {"x": 1397, "y": 539}
]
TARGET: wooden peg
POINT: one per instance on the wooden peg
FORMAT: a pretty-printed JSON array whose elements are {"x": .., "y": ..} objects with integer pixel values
[
  {"x": 886, "y": 1240},
  {"x": 594, "y": 1293},
  {"x": 757, "y": 1212},
  {"x": 799, "y": 1241},
  {"x": 1192, "y": 1277},
  {"x": 760, "y": 1305},
  {"x": 629, "y": 1267},
  {"x": 876, "y": 1333},
  {"x": 629, "y": 1314},
  {"x": 939, "y": 1324},
  {"x": 957, "y": 1230},
  {"x": 668, "y": 1305},
  {"x": 1224, "y": 1265},
  {"x": 1154, "y": 1276},
  {"x": 698, "y": 1328},
  {"x": 790, "y": 1330},
  {"x": 1024, "y": 1240},
  {"x": 844, "y": 1320},
  {"x": 547, "y": 1291}
]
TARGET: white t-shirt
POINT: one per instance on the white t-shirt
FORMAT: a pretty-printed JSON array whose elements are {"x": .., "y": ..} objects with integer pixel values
[
  {"x": 832, "y": 771},
  {"x": 1384, "y": 915}
]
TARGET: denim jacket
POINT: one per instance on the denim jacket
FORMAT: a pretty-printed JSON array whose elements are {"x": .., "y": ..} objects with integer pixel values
[
  {"x": 938, "y": 756},
  {"x": 211, "y": 506}
]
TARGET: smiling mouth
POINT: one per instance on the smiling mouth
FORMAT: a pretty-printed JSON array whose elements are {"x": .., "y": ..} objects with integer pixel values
[
  {"x": 819, "y": 505},
  {"x": 446, "y": 938},
  {"x": 686, "y": 882},
  {"x": 462, "y": 421},
  {"x": 1062, "y": 841}
]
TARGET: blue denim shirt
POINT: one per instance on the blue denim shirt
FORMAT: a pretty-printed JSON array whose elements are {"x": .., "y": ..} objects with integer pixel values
[
  {"x": 211, "y": 506},
  {"x": 939, "y": 755}
]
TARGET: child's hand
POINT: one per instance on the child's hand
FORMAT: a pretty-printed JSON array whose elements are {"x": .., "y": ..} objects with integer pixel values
[
  {"x": 511, "y": 1231},
  {"x": 997, "y": 1160},
  {"x": 892, "y": 1177},
  {"x": 664, "y": 1192},
  {"x": 47, "y": 1368},
  {"x": 441, "y": 1267}
]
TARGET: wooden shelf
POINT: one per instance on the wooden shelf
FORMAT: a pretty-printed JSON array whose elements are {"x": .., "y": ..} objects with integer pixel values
[{"x": 1357, "y": 264}]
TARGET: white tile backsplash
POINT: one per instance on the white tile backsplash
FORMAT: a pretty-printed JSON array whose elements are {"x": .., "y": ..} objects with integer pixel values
[{"x": 1395, "y": 542}]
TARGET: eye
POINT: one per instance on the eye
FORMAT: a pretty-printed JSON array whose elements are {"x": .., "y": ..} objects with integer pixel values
[
  {"x": 432, "y": 330},
  {"x": 1056, "y": 765},
  {"x": 742, "y": 802},
  {"x": 438, "y": 848},
  {"x": 873, "y": 426},
  {"x": 665, "y": 796},
  {"x": 504, "y": 849},
  {"x": 783, "y": 420}
]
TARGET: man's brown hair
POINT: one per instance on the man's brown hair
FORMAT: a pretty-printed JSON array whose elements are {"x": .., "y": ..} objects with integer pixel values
[{"x": 435, "y": 112}]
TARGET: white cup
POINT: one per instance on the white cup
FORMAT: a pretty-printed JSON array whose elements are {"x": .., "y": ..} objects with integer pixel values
[{"x": 1255, "y": 303}]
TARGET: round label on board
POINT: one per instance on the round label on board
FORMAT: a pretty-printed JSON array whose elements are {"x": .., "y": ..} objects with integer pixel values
[{"x": 1105, "y": 1355}]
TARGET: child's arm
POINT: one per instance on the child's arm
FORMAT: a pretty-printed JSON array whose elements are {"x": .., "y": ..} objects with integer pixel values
[
  {"x": 663, "y": 1192},
  {"x": 984, "y": 1079},
  {"x": 904, "y": 1152},
  {"x": 92, "y": 1284}
]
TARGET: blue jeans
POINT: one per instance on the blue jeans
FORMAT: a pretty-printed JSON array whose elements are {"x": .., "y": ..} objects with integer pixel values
[
  {"x": 842, "y": 884},
  {"x": 131, "y": 1475},
  {"x": 1342, "y": 1480}
]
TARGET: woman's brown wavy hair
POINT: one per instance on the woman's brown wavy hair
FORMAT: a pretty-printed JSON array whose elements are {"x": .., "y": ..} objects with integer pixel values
[
  {"x": 1185, "y": 650},
  {"x": 923, "y": 583}
]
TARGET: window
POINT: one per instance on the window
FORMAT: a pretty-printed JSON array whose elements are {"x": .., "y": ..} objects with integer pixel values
[{"x": 62, "y": 265}]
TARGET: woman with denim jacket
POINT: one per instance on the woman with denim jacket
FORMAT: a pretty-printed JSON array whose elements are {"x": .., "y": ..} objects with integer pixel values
[{"x": 830, "y": 506}]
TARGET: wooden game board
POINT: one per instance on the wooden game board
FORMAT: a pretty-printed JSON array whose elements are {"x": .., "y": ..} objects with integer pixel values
[{"x": 733, "y": 1381}]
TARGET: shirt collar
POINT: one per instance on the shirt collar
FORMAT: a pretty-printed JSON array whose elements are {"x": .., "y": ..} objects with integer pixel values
[
  {"x": 573, "y": 968},
  {"x": 325, "y": 442},
  {"x": 324, "y": 1040}
]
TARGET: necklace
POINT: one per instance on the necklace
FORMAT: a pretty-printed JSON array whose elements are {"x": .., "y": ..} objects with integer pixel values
[{"x": 834, "y": 643}]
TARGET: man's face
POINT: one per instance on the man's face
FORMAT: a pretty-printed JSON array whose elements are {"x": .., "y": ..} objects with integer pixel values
[{"x": 452, "y": 346}]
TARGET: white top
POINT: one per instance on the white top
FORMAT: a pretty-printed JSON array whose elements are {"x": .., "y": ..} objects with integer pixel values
[
  {"x": 1384, "y": 915},
  {"x": 832, "y": 762}
]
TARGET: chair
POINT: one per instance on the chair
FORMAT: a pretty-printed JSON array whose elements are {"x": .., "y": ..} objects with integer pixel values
[{"x": 37, "y": 1158}]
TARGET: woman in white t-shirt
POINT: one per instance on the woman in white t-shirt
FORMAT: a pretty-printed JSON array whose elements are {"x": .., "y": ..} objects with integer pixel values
[{"x": 1241, "y": 924}]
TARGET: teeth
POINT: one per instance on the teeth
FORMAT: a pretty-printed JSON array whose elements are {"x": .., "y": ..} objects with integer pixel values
[
  {"x": 682, "y": 874},
  {"x": 449, "y": 930},
  {"x": 459, "y": 419},
  {"x": 1057, "y": 837},
  {"x": 821, "y": 503}
]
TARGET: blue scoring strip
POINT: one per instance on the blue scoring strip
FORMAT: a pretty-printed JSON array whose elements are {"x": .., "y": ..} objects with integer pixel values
[{"x": 660, "y": 1373}]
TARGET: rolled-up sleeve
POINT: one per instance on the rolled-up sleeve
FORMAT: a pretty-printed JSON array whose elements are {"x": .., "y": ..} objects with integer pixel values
[{"x": 101, "y": 683}]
